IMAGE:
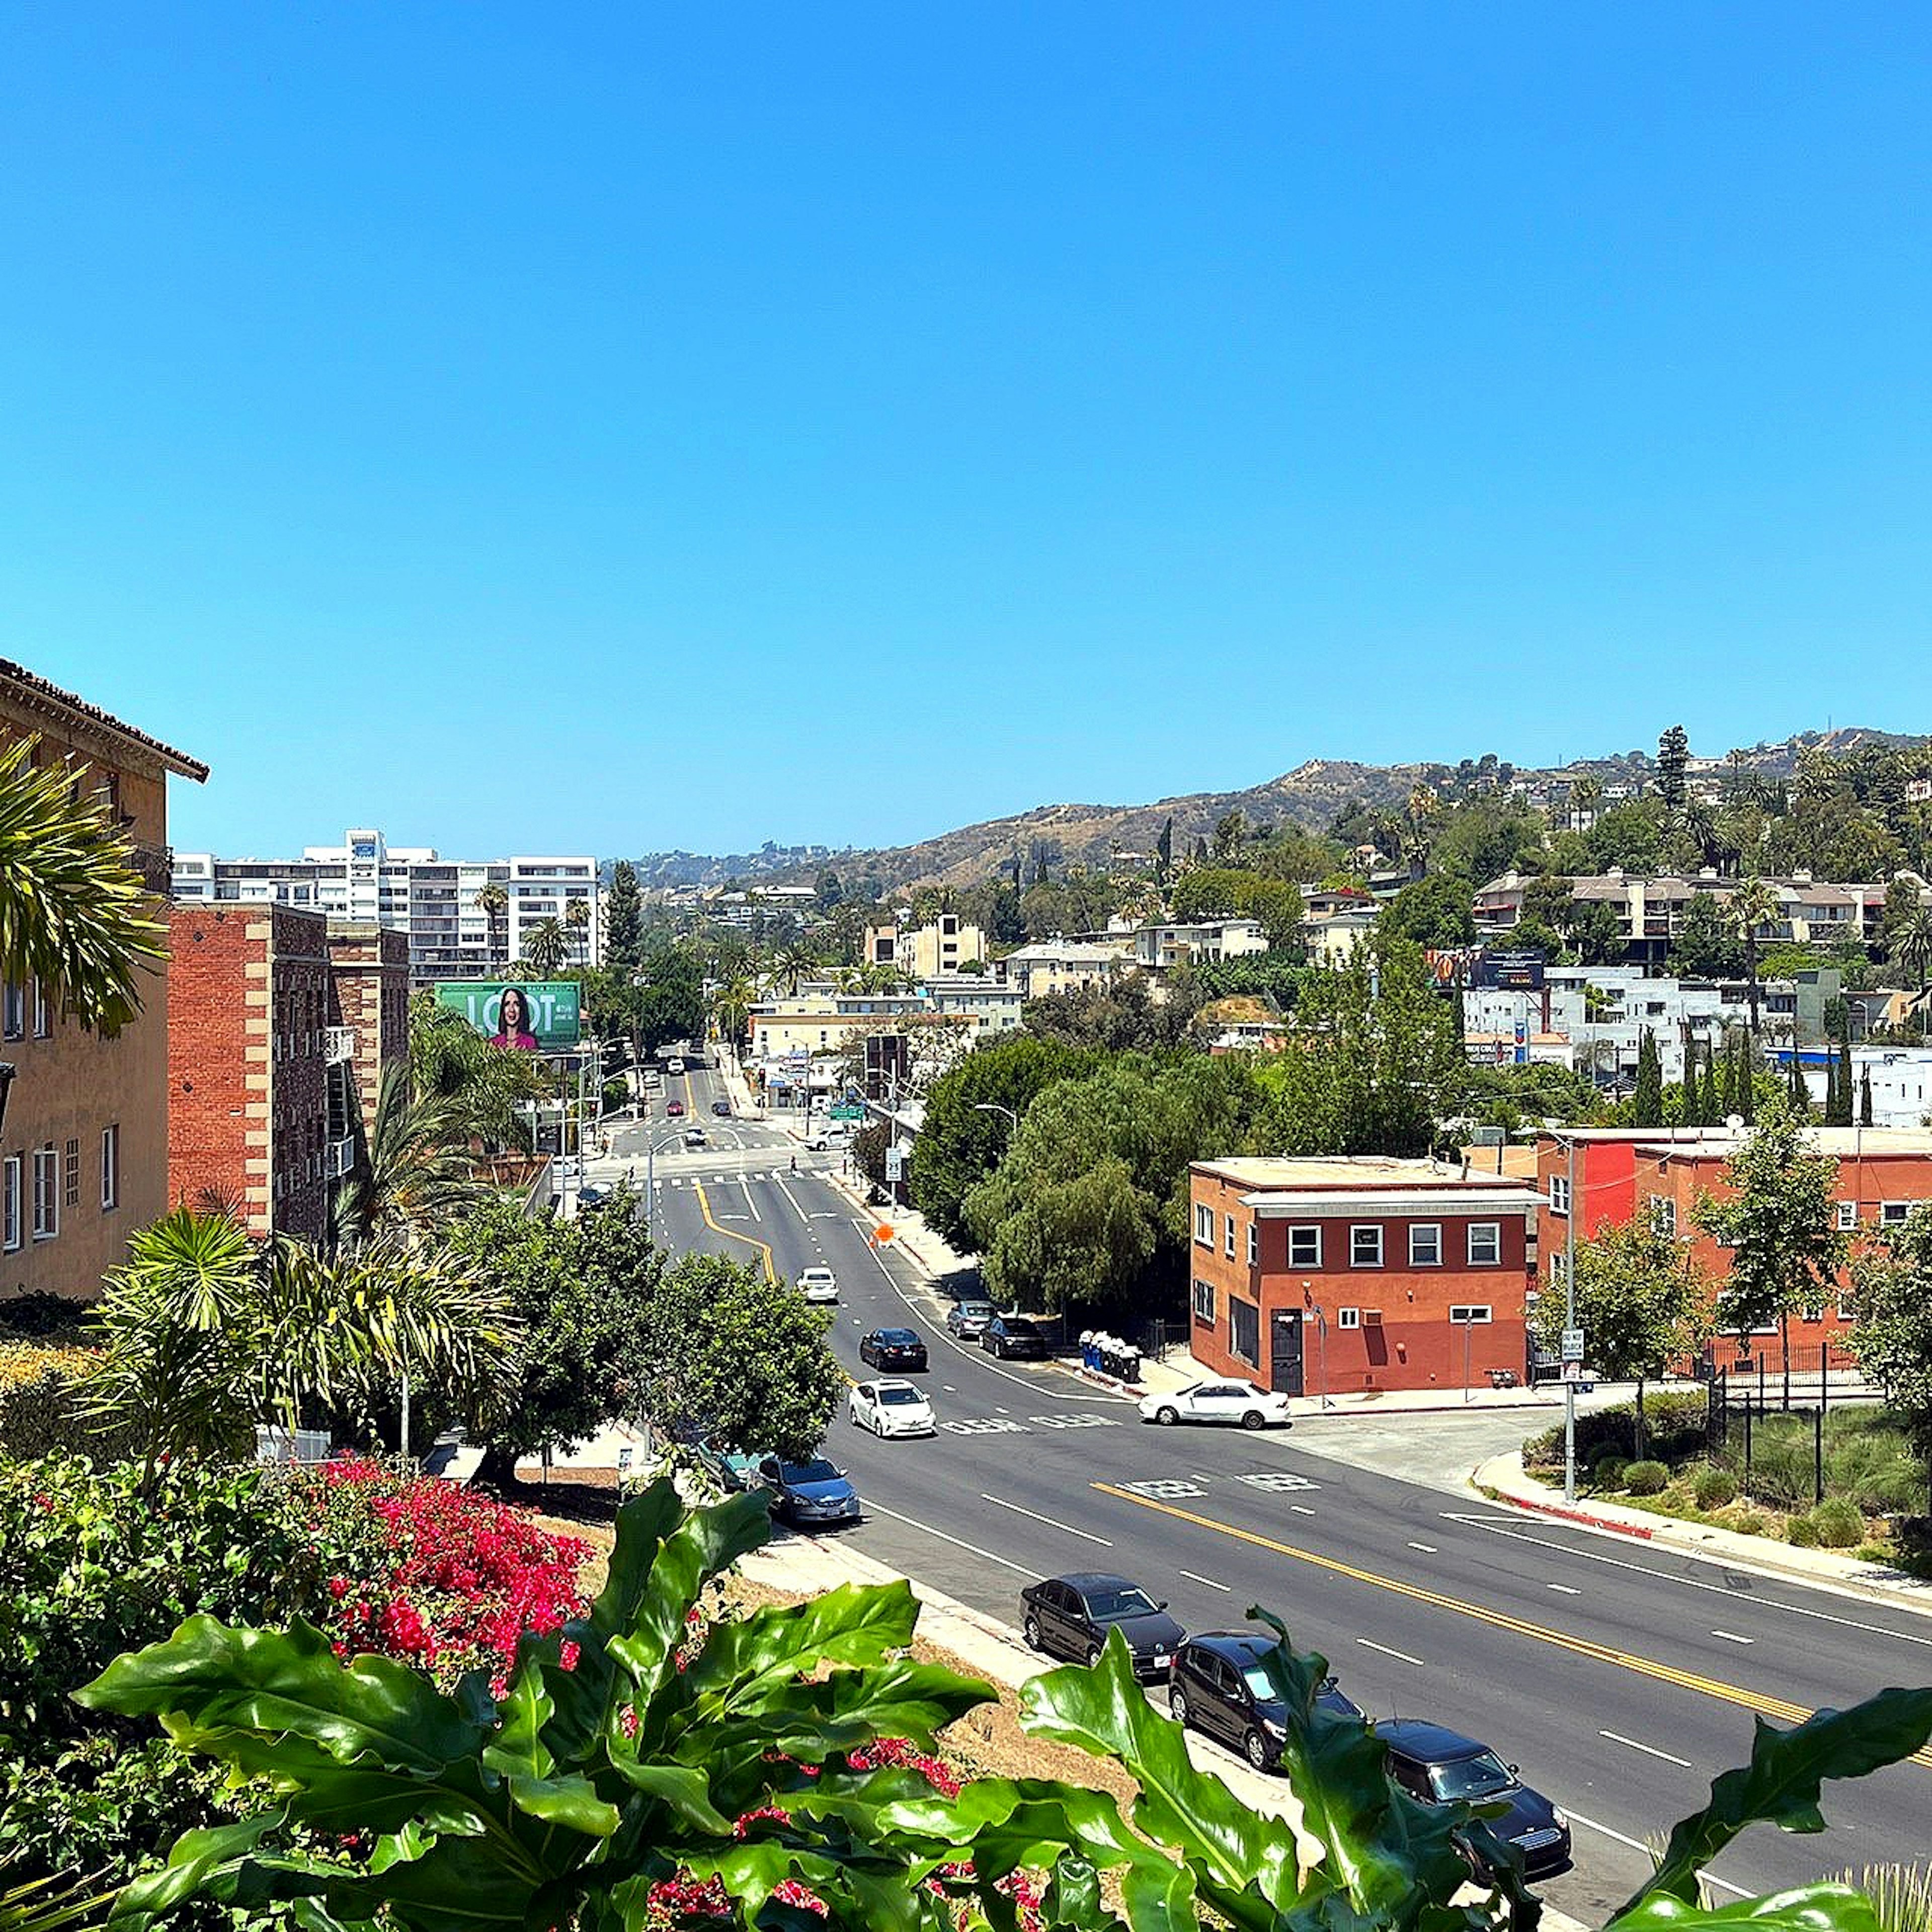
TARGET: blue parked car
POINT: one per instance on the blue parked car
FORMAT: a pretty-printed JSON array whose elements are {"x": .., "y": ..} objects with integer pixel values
[{"x": 809, "y": 1495}]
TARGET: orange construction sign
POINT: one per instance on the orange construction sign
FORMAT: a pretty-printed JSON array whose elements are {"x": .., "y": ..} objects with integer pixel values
[{"x": 881, "y": 1235}]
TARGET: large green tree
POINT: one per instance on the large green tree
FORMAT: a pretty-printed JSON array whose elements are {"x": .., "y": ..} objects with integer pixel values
[
  {"x": 1777, "y": 1216},
  {"x": 623, "y": 921},
  {"x": 1892, "y": 1322},
  {"x": 958, "y": 1146}
]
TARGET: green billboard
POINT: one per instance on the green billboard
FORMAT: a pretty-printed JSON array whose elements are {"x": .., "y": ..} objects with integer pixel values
[{"x": 542, "y": 1015}]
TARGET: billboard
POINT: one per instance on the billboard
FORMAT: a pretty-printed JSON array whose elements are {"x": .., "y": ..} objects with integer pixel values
[{"x": 550, "y": 1019}]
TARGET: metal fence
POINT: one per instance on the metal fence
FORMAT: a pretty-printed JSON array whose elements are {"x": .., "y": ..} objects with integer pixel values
[{"x": 1742, "y": 1393}]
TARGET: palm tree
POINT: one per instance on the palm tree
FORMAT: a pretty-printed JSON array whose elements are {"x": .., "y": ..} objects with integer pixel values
[
  {"x": 546, "y": 947},
  {"x": 1912, "y": 951},
  {"x": 1586, "y": 797},
  {"x": 731, "y": 1006},
  {"x": 576, "y": 920},
  {"x": 74, "y": 914},
  {"x": 1422, "y": 819},
  {"x": 793, "y": 963},
  {"x": 1753, "y": 906},
  {"x": 415, "y": 1169},
  {"x": 492, "y": 902}
]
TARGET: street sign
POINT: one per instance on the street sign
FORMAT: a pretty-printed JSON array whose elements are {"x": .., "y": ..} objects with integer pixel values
[
  {"x": 1572, "y": 1345},
  {"x": 895, "y": 1163},
  {"x": 1575, "y": 1373},
  {"x": 846, "y": 1110}
]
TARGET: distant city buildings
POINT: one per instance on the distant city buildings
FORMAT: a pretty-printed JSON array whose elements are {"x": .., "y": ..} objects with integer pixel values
[{"x": 442, "y": 905}]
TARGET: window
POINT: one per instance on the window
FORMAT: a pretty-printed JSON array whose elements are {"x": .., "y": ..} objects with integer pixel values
[
  {"x": 1848, "y": 1216},
  {"x": 1254, "y": 1244},
  {"x": 1468, "y": 1314},
  {"x": 43, "y": 1013},
  {"x": 72, "y": 1187},
  {"x": 46, "y": 1193},
  {"x": 1558, "y": 1265},
  {"x": 1244, "y": 1331},
  {"x": 13, "y": 1012},
  {"x": 1895, "y": 1214},
  {"x": 1485, "y": 1244},
  {"x": 1664, "y": 1211},
  {"x": 1304, "y": 1247},
  {"x": 1204, "y": 1224},
  {"x": 110, "y": 1166},
  {"x": 1204, "y": 1300},
  {"x": 10, "y": 1203},
  {"x": 1230, "y": 1248},
  {"x": 1365, "y": 1245},
  {"x": 1348, "y": 1317},
  {"x": 1425, "y": 1244},
  {"x": 1559, "y": 1194}
]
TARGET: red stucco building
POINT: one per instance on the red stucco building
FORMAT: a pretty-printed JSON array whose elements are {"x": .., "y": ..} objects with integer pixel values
[{"x": 1335, "y": 1276}]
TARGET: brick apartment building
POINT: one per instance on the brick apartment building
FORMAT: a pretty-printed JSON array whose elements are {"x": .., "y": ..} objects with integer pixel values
[
  {"x": 279, "y": 1030},
  {"x": 84, "y": 1161},
  {"x": 1335, "y": 1276},
  {"x": 1883, "y": 1173}
]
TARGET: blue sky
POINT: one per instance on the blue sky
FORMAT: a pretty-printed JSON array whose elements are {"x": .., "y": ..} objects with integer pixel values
[{"x": 617, "y": 428}]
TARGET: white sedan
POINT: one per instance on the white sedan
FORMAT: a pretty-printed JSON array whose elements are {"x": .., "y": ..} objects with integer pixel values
[
  {"x": 892, "y": 1408},
  {"x": 1239, "y": 1402},
  {"x": 819, "y": 1284}
]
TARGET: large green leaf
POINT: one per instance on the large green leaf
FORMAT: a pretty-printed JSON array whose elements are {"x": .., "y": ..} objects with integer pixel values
[
  {"x": 1814, "y": 1908},
  {"x": 209, "y": 1680},
  {"x": 1781, "y": 1785},
  {"x": 1104, "y": 1711},
  {"x": 853, "y": 1624},
  {"x": 197, "y": 1856}
]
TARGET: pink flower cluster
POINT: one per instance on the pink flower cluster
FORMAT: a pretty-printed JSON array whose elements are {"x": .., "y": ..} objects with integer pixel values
[{"x": 457, "y": 1578}]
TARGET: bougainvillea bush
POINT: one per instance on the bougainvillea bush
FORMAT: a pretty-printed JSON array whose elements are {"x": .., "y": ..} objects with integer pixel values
[{"x": 407, "y": 1567}]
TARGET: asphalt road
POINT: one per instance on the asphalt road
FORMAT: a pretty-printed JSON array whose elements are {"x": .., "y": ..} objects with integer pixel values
[{"x": 1621, "y": 1678}]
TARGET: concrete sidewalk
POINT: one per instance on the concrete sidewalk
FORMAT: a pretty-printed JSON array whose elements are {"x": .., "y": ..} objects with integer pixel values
[{"x": 1503, "y": 1478}]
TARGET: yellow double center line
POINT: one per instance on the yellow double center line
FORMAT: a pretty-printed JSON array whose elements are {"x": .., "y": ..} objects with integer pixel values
[
  {"x": 704, "y": 1208},
  {"x": 1624, "y": 1660}
]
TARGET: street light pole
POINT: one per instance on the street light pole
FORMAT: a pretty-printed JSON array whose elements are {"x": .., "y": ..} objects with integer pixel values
[{"x": 1570, "y": 1322}]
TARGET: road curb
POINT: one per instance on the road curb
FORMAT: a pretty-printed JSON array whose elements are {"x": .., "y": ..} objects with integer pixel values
[{"x": 1644, "y": 1532}]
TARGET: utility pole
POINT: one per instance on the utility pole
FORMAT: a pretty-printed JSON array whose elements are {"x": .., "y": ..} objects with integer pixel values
[{"x": 1570, "y": 1322}]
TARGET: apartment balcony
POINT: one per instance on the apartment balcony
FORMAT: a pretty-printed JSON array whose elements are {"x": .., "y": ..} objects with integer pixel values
[
  {"x": 338, "y": 1042},
  {"x": 338, "y": 1158}
]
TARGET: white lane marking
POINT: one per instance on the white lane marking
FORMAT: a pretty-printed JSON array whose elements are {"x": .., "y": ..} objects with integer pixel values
[
  {"x": 750, "y": 1199},
  {"x": 1649, "y": 1751},
  {"x": 1637, "y": 1845},
  {"x": 1401, "y": 1656},
  {"x": 1051, "y": 1523},
  {"x": 949, "y": 1388},
  {"x": 793, "y": 1199},
  {"x": 1301, "y": 1509},
  {"x": 1566, "y": 1589},
  {"x": 1732, "y": 1636},
  {"x": 913, "y": 1522},
  {"x": 1427, "y": 1548},
  {"x": 1000, "y": 1408},
  {"x": 1277, "y": 1482},
  {"x": 1208, "y": 1580},
  {"x": 1164, "y": 1489},
  {"x": 1498, "y": 1527}
]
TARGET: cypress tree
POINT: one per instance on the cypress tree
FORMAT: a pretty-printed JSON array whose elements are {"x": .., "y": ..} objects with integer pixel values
[
  {"x": 1713, "y": 1108},
  {"x": 1865, "y": 1099},
  {"x": 1801, "y": 1098},
  {"x": 1843, "y": 1118},
  {"x": 1647, "y": 1102}
]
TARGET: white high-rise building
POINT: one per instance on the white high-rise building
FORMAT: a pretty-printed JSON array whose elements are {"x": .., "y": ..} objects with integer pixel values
[{"x": 412, "y": 888}]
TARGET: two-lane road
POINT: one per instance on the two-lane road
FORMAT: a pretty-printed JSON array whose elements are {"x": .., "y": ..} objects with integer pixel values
[{"x": 1621, "y": 1677}]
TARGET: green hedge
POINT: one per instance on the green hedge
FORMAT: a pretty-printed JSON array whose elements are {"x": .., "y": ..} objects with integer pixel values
[{"x": 1674, "y": 1432}]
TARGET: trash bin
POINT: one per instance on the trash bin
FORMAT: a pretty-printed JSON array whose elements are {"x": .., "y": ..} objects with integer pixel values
[{"x": 1090, "y": 1354}]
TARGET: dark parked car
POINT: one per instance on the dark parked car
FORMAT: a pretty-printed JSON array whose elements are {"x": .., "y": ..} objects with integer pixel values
[
  {"x": 1070, "y": 1616},
  {"x": 1439, "y": 1765},
  {"x": 673, "y": 1110},
  {"x": 899, "y": 1348},
  {"x": 968, "y": 1319},
  {"x": 722, "y": 1108},
  {"x": 1014, "y": 1335},
  {"x": 1218, "y": 1686},
  {"x": 807, "y": 1494}
]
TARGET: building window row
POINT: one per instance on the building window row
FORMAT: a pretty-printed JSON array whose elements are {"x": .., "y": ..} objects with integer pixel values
[
  {"x": 1483, "y": 1245},
  {"x": 17, "y": 998},
  {"x": 55, "y": 1174}
]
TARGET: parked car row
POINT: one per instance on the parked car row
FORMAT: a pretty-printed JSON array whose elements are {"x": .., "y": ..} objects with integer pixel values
[{"x": 1218, "y": 1684}]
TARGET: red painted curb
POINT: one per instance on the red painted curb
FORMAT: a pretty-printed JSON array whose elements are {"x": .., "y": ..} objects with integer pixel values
[{"x": 1643, "y": 1530}]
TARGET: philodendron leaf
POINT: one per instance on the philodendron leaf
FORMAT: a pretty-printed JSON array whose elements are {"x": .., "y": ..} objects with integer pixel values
[
  {"x": 853, "y": 1624},
  {"x": 1781, "y": 1784},
  {"x": 517, "y": 1749},
  {"x": 209, "y": 1680},
  {"x": 196, "y": 1857},
  {"x": 571, "y": 1800},
  {"x": 1811, "y": 1908},
  {"x": 810, "y": 1720},
  {"x": 1104, "y": 1711}
]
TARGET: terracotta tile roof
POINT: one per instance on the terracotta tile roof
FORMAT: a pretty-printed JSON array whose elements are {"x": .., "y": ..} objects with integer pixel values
[{"x": 37, "y": 689}]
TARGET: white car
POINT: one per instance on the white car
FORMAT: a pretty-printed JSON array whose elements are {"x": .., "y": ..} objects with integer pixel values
[
  {"x": 819, "y": 1284},
  {"x": 892, "y": 1408},
  {"x": 1236, "y": 1402}
]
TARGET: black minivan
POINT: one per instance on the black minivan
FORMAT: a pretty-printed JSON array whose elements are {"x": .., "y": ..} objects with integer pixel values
[{"x": 1218, "y": 1685}]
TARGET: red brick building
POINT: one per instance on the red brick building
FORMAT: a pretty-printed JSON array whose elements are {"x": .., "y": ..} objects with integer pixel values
[
  {"x": 370, "y": 965},
  {"x": 1334, "y": 1275},
  {"x": 1883, "y": 1173}
]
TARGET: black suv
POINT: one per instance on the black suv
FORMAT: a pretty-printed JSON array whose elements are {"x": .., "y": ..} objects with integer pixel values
[
  {"x": 1218, "y": 1685},
  {"x": 1072, "y": 1615},
  {"x": 1438, "y": 1766},
  {"x": 899, "y": 1348},
  {"x": 1013, "y": 1335}
]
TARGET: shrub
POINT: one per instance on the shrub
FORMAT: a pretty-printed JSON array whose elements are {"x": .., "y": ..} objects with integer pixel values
[
  {"x": 1607, "y": 1472},
  {"x": 43, "y": 1315},
  {"x": 1801, "y": 1533},
  {"x": 1840, "y": 1522},
  {"x": 41, "y": 1403},
  {"x": 1646, "y": 1479},
  {"x": 1748, "y": 1521},
  {"x": 1674, "y": 1428},
  {"x": 1715, "y": 1488}
]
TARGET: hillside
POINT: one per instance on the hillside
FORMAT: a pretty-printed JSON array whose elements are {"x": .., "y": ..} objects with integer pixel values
[{"x": 1312, "y": 794}]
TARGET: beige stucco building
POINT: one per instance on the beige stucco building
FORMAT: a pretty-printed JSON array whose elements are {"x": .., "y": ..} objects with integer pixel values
[{"x": 84, "y": 1146}]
